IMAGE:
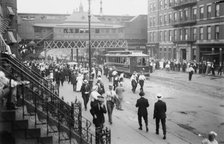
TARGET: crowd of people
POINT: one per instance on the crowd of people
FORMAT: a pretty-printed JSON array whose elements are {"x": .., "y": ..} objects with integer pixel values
[
  {"x": 104, "y": 100},
  {"x": 203, "y": 67}
]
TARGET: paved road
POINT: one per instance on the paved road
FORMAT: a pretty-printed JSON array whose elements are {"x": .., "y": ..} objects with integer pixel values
[{"x": 194, "y": 108}]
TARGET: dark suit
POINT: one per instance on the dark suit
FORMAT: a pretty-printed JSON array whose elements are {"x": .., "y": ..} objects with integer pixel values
[
  {"x": 160, "y": 114},
  {"x": 142, "y": 104},
  {"x": 85, "y": 89},
  {"x": 98, "y": 112}
]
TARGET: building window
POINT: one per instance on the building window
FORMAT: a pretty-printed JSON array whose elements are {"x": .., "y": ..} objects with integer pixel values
[
  {"x": 161, "y": 4},
  {"x": 165, "y": 19},
  {"x": 181, "y": 34},
  {"x": 209, "y": 11},
  {"x": 201, "y": 12},
  {"x": 201, "y": 33},
  {"x": 161, "y": 20},
  {"x": 216, "y": 32},
  {"x": 175, "y": 34},
  {"x": 175, "y": 16},
  {"x": 195, "y": 33},
  {"x": 165, "y": 3},
  {"x": 185, "y": 14},
  {"x": 217, "y": 10},
  {"x": 194, "y": 13},
  {"x": 170, "y": 35},
  {"x": 165, "y": 36},
  {"x": 170, "y": 18},
  {"x": 181, "y": 15},
  {"x": 97, "y": 30},
  {"x": 76, "y": 30},
  {"x": 160, "y": 36},
  {"x": 186, "y": 33},
  {"x": 209, "y": 32},
  {"x": 66, "y": 30}
]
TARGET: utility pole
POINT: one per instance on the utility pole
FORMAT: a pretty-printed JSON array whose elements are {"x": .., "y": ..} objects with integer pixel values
[{"x": 90, "y": 63}]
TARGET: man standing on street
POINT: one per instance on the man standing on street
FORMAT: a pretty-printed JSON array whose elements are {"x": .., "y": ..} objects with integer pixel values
[
  {"x": 142, "y": 104},
  {"x": 85, "y": 90},
  {"x": 119, "y": 91},
  {"x": 191, "y": 71},
  {"x": 160, "y": 115},
  {"x": 141, "y": 80},
  {"x": 110, "y": 100}
]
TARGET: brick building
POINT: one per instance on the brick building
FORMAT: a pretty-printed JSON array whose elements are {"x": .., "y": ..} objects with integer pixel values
[{"x": 186, "y": 29}]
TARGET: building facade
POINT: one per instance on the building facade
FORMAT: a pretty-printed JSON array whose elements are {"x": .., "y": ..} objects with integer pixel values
[
  {"x": 186, "y": 29},
  {"x": 8, "y": 25},
  {"x": 71, "y": 31}
]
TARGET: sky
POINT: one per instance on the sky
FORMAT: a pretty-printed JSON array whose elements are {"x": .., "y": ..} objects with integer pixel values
[{"x": 110, "y": 7}]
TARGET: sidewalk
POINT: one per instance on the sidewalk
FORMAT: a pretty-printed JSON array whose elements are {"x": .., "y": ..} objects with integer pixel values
[{"x": 125, "y": 125}]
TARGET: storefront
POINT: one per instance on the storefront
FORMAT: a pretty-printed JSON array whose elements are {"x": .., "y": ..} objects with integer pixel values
[{"x": 153, "y": 49}]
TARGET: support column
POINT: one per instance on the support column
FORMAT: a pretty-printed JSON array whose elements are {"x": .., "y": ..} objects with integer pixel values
[
  {"x": 220, "y": 57},
  {"x": 71, "y": 54}
]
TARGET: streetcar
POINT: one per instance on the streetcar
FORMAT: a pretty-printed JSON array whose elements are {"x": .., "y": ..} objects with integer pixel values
[{"x": 128, "y": 62}]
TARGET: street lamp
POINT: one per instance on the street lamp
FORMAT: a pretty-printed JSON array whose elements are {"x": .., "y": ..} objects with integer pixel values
[{"x": 90, "y": 65}]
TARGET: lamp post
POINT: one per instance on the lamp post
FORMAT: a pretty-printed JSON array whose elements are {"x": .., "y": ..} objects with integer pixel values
[{"x": 90, "y": 63}]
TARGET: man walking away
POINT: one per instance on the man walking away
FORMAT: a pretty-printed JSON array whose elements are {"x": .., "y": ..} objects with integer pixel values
[
  {"x": 142, "y": 104},
  {"x": 160, "y": 115},
  {"x": 191, "y": 71},
  {"x": 141, "y": 80}
]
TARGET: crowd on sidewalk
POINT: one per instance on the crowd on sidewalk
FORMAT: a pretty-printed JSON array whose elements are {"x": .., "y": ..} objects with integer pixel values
[
  {"x": 103, "y": 100},
  {"x": 204, "y": 67}
]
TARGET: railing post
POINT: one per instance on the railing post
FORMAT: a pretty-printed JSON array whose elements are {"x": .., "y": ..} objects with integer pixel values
[
  {"x": 35, "y": 111},
  {"x": 47, "y": 117}
]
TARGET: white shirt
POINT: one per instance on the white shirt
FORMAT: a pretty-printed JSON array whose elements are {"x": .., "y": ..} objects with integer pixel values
[
  {"x": 110, "y": 94},
  {"x": 141, "y": 77}
]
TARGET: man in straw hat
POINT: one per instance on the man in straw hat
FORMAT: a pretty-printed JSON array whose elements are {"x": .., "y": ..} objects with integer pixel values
[
  {"x": 142, "y": 104},
  {"x": 160, "y": 115},
  {"x": 211, "y": 138}
]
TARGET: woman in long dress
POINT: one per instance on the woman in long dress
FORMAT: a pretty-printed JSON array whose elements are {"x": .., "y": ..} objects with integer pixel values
[{"x": 79, "y": 82}]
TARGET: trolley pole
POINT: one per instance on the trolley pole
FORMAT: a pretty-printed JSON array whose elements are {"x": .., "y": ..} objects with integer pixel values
[{"x": 90, "y": 63}]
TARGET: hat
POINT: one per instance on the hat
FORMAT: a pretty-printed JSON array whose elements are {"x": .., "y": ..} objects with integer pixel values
[
  {"x": 159, "y": 96},
  {"x": 141, "y": 93},
  {"x": 213, "y": 133},
  {"x": 100, "y": 98}
]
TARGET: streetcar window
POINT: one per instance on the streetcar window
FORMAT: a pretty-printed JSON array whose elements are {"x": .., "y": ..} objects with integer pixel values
[{"x": 141, "y": 61}]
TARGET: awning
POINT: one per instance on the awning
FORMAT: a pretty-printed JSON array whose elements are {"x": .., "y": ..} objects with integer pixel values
[
  {"x": 11, "y": 12},
  {"x": 11, "y": 37}
]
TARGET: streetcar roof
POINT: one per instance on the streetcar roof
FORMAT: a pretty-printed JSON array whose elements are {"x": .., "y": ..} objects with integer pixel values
[{"x": 127, "y": 55}]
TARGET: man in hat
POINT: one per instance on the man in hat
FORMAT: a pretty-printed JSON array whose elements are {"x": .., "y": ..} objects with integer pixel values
[
  {"x": 142, "y": 104},
  {"x": 141, "y": 80},
  {"x": 191, "y": 71},
  {"x": 110, "y": 100},
  {"x": 160, "y": 115},
  {"x": 85, "y": 90},
  {"x": 98, "y": 110},
  {"x": 211, "y": 138}
]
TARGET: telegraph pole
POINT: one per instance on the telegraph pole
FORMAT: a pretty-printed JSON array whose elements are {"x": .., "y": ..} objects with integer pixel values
[{"x": 90, "y": 63}]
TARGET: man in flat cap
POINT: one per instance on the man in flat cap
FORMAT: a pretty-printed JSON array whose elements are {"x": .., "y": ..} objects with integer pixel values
[{"x": 160, "y": 115}]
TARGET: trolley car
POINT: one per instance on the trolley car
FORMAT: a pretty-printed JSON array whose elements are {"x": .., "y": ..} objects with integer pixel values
[{"x": 128, "y": 62}]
